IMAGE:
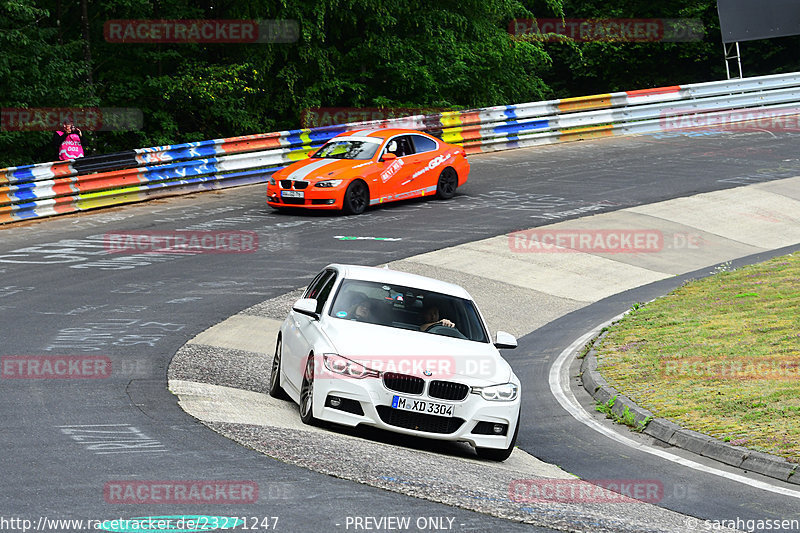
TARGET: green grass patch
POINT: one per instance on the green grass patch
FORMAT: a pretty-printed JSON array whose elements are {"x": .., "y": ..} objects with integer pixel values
[
  {"x": 719, "y": 355},
  {"x": 627, "y": 418}
]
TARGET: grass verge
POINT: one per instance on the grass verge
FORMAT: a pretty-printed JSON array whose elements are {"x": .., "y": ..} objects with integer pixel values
[{"x": 719, "y": 355}]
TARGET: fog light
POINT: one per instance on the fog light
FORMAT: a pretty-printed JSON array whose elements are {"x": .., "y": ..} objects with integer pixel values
[
  {"x": 498, "y": 429},
  {"x": 335, "y": 401}
]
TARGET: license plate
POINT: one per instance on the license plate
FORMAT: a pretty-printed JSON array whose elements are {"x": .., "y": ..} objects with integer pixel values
[
  {"x": 293, "y": 194},
  {"x": 422, "y": 406}
]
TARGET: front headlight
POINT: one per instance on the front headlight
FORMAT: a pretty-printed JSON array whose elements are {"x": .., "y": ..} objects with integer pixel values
[
  {"x": 342, "y": 365},
  {"x": 327, "y": 184},
  {"x": 507, "y": 392}
]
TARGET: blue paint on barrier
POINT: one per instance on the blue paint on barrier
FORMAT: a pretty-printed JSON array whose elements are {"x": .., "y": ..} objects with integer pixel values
[
  {"x": 184, "y": 169},
  {"x": 322, "y": 135},
  {"x": 190, "y": 152},
  {"x": 513, "y": 126},
  {"x": 25, "y": 191},
  {"x": 23, "y": 174},
  {"x": 25, "y": 211}
]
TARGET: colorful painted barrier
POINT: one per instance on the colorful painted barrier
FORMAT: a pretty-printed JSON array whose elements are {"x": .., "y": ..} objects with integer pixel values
[{"x": 47, "y": 189}]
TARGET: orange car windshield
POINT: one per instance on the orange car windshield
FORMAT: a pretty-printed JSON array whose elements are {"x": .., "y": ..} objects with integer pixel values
[{"x": 347, "y": 149}]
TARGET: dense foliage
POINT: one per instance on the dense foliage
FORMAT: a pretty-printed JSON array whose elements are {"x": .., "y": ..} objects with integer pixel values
[{"x": 349, "y": 53}]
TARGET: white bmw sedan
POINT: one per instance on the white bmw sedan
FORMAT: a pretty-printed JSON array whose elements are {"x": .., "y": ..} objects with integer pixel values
[{"x": 400, "y": 352}]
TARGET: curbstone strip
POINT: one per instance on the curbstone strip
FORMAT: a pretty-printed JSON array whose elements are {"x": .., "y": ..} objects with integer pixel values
[
  {"x": 690, "y": 440},
  {"x": 662, "y": 429},
  {"x": 725, "y": 453},
  {"x": 768, "y": 465},
  {"x": 670, "y": 433},
  {"x": 641, "y": 416}
]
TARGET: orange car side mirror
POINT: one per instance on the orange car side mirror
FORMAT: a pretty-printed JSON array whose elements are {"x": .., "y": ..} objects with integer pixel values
[{"x": 388, "y": 157}]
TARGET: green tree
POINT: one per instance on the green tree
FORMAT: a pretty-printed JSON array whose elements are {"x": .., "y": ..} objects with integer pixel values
[{"x": 38, "y": 69}]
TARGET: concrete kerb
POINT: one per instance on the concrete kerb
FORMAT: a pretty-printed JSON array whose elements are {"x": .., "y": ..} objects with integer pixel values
[{"x": 672, "y": 434}]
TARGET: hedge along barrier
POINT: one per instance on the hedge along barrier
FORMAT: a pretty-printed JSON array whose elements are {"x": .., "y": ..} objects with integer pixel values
[{"x": 46, "y": 189}]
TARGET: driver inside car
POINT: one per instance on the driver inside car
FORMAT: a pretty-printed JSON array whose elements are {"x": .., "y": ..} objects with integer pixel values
[{"x": 430, "y": 317}]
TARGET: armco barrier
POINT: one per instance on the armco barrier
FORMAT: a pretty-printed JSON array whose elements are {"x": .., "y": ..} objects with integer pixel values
[{"x": 46, "y": 189}]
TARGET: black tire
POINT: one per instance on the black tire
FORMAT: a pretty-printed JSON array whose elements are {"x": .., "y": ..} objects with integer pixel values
[
  {"x": 499, "y": 454},
  {"x": 307, "y": 394},
  {"x": 447, "y": 185},
  {"x": 356, "y": 198},
  {"x": 275, "y": 389}
]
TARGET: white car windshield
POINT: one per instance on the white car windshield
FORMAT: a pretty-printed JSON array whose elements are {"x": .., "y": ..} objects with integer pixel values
[
  {"x": 409, "y": 308},
  {"x": 347, "y": 149}
]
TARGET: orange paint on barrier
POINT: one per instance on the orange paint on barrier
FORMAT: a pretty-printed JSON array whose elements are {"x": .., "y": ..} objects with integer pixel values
[
  {"x": 5, "y": 215},
  {"x": 583, "y": 103},
  {"x": 62, "y": 169},
  {"x": 65, "y": 204},
  {"x": 250, "y": 145},
  {"x": 62, "y": 186},
  {"x": 4, "y": 198},
  {"x": 473, "y": 148},
  {"x": 655, "y": 90},
  {"x": 471, "y": 134},
  {"x": 470, "y": 117},
  {"x": 593, "y": 132},
  {"x": 107, "y": 180}
]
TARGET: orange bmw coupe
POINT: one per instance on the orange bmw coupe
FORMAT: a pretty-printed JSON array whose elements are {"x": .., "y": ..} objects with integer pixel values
[{"x": 360, "y": 168}]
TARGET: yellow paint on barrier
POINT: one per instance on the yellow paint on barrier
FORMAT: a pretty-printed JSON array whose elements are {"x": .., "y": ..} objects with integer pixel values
[
  {"x": 107, "y": 198},
  {"x": 591, "y": 132},
  {"x": 450, "y": 119},
  {"x": 453, "y": 136},
  {"x": 299, "y": 155},
  {"x": 584, "y": 103}
]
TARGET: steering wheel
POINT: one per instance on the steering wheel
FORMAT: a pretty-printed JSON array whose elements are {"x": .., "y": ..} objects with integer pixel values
[{"x": 438, "y": 329}]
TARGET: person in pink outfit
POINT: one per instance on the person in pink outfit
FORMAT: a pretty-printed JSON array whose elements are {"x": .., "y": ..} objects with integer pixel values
[{"x": 68, "y": 142}]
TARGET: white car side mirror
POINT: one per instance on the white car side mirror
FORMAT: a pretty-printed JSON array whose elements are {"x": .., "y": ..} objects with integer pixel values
[
  {"x": 505, "y": 341},
  {"x": 306, "y": 306}
]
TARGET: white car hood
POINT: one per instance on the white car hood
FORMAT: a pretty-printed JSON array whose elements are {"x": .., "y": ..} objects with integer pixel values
[{"x": 474, "y": 363}]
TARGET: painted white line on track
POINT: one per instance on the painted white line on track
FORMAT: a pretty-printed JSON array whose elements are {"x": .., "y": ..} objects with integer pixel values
[{"x": 560, "y": 387}]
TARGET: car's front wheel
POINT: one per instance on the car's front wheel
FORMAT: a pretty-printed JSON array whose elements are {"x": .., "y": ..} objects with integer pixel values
[
  {"x": 499, "y": 454},
  {"x": 356, "y": 198},
  {"x": 447, "y": 185},
  {"x": 307, "y": 394},
  {"x": 275, "y": 389}
]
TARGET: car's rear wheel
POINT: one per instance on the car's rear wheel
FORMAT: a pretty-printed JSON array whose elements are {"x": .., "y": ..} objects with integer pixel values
[
  {"x": 499, "y": 454},
  {"x": 356, "y": 198},
  {"x": 447, "y": 185},
  {"x": 307, "y": 394},
  {"x": 275, "y": 389}
]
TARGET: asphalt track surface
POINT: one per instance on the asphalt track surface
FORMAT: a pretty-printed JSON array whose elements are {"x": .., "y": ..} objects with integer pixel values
[{"x": 62, "y": 293}]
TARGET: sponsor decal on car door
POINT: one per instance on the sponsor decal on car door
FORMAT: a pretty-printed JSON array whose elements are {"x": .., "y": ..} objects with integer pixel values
[{"x": 396, "y": 181}]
